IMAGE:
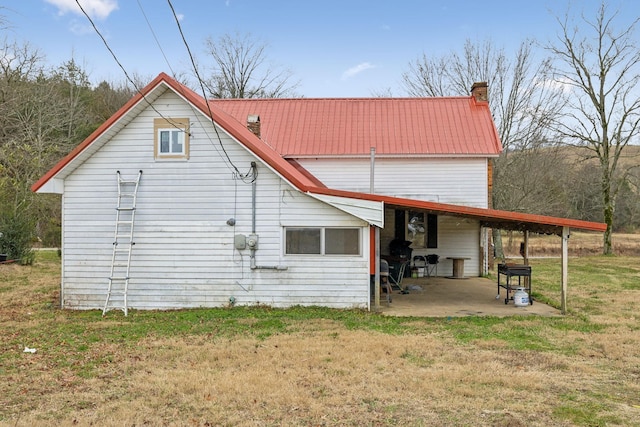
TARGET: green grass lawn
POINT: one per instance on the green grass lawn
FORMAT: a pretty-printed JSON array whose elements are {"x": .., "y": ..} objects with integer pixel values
[{"x": 593, "y": 352}]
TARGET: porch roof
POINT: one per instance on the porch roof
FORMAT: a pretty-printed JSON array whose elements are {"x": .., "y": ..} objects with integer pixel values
[{"x": 493, "y": 218}]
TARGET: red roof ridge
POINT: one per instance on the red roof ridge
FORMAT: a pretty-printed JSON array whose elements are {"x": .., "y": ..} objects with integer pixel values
[{"x": 364, "y": 98}]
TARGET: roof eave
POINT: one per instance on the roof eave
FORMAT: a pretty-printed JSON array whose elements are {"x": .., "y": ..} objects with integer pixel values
[
  {"x": 392, "y": 156},
  {"x": 487, "y": 217}
]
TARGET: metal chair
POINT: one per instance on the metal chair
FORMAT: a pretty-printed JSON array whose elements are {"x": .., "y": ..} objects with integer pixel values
[
  {"x": 432, "y": 265},
  {"x": 420, "y": 262},
  {"x": 385, "y": 278},
  {"x": 397, "y": 281}
]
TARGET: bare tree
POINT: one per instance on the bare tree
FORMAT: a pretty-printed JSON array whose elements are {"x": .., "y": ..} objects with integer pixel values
[
  {"x": 109, "y": 97},
  {"x": 628, "y": 203},
  {"x": 43, "y": 115},
  {"x": 75, "y": 90},
  {"x": 532, "y": 181},
  {"x": 3, "y": 19},
  {"x": 241, "y": 70},
  {"x": 522, "y": 100},
  {"x": 601, "y": 71},
  {"x": 19, "y": 64},
  {"x": 386, "y": 92},
  {"x": 523, "y": 104}
]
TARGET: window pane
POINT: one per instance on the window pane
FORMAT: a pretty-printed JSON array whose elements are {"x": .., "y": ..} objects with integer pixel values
[
  {"x": 432, "y": 231},
  {"x": 416, "y": 230},
  {"x": 342, "y": 241},
  {"x": 176, "y": 142},
  {"x": 303, "y": 241},
  {"x": 164, "y": 141}
]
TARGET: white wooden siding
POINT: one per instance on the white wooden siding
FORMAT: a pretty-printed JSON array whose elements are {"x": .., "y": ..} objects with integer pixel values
[
  {"x": 184, "y": 254},
  {"x": 457, "y": 237},
  {"x": 459, "y": 181}
]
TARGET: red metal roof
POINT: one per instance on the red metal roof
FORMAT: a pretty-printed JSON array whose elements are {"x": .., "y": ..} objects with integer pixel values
[
  {"x": 302, "y": 179},
  {"x": 350, "y": 127}
]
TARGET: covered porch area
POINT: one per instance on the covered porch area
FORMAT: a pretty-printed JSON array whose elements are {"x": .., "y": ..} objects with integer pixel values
[
  {"x": 438, "y": 296},
  {"x": 373, "y": 209}
]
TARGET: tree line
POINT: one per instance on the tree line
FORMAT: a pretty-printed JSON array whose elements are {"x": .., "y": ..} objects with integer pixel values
[
  {"x": 568, "y": 120},
  {"x": 44, "y": 113}
]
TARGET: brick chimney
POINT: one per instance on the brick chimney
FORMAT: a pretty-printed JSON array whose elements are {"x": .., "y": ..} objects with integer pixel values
[
  {"x": 479, "y": 91},
  {"x": 253, "y": 124}
]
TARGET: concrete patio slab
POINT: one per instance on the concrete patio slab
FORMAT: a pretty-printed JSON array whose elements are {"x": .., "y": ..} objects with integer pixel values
[{"x": 444, "y": 297}]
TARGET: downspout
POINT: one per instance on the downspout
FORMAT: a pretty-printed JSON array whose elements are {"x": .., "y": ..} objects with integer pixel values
[
  {"x": 376, "y": 241},
  {"x": 253, "y": 200},
  {"x": 252, "y": 257},
  {"x": 253, "y": 246}
]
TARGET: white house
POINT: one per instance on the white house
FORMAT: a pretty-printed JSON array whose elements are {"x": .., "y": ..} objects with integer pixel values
[{"x": 283, "y": 214}]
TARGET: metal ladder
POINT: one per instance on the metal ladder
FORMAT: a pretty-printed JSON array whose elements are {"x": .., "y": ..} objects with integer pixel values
[{"x": 122, "y": 244}]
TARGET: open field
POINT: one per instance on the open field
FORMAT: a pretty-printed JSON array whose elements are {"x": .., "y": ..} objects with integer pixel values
[
  {"x": 319, "y": 367},
  {"x": 580, "y": 244}
]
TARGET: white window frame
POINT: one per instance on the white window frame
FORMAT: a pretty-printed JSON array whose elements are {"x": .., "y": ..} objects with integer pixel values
[
  {"x": 171, "y": 125},
  {"x": 173, "y": 135},
  {"x": 323, "y": 241}
]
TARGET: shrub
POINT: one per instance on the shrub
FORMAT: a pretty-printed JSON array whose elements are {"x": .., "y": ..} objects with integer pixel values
[{"x": 17, "y": 237}]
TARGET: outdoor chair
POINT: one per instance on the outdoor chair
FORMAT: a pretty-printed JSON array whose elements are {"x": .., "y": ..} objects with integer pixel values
[
  {"x": 384, "y": 278},
  {"x": 396, "y": 281},
  {"x": 432, "y": 265},
  {"x": 420, "y": 263}
]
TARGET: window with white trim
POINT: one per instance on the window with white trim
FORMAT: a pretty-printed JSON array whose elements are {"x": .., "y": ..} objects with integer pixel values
[
  {"x": 171, "y": 139},
  {"x": 322, "y": 241}
]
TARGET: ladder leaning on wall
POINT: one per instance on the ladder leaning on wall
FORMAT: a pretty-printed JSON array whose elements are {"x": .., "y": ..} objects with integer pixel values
[{"x": 122, "y": 244}]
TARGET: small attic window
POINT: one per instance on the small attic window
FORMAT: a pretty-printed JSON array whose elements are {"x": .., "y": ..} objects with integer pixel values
[{"x": 171, "y": 138}]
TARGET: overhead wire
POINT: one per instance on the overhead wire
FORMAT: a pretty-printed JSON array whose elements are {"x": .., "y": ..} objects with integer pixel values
[
  {"x": 153, "y": 33},
  {"x": 173, "y": 73},
  {"x": 135, "y": 86},
  {"x": 250, "y": 176}
]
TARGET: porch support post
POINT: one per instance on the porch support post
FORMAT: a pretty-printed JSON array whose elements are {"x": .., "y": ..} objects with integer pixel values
[
  {"x": 376, "y": 282},
  {"x": 484, "y": 251},
  {"x": 376, "y": 239},
  {"x": 565, "y": 269},
  {"x": 525, "y": 255}
]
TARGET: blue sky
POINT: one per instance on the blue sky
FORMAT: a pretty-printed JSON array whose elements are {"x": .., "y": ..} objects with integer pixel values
[{"x": 347, "y": 48}]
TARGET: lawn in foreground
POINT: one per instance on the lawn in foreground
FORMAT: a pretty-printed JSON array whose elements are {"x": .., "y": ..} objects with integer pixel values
[{"x": 315, "y": 366}]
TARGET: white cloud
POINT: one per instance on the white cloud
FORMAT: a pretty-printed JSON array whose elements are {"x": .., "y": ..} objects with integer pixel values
[
  {"x": 100, "y": 9},
  {"x": 356, "y": 70}
]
